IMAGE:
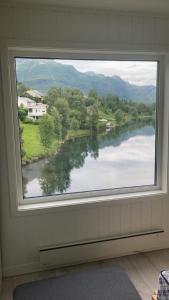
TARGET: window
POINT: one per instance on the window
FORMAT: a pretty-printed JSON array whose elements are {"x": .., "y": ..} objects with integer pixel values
[{"x": 99, "y": 133}]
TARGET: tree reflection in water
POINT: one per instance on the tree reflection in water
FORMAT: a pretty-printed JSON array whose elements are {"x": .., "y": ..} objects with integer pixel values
[{"x": 56, "y": 174}]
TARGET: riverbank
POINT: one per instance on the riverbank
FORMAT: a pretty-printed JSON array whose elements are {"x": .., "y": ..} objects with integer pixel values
[
  {"x": 83, "y": 163},
  {"x": 34, "y": 149}
]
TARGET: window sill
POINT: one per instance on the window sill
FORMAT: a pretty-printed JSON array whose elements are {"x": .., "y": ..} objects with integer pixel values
[{"x": 55, "y": 206}]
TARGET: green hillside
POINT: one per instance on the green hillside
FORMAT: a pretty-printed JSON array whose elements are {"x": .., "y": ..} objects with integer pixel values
[{"x": 43, "y": 74}]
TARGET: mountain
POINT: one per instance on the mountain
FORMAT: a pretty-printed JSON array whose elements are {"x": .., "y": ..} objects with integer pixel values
[{"x": 42, "y": 74}]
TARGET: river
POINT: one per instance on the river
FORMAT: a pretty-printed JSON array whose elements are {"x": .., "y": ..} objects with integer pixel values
[{"x": 122, "y": 157}]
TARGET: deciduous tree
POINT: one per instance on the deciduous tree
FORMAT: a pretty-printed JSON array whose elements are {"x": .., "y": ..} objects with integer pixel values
[
  {"x": 21, "y": 88},
  {"x": 22, "y": 113},
  {"x": 46, "y": 130}
]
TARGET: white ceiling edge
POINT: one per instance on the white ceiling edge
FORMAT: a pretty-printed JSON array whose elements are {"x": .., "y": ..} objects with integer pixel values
[{"x": 93, "y": 9}]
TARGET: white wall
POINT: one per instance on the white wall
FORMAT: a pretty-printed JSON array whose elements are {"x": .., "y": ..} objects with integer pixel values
[
  {"x": 84, "y": 28},
  {"x": 23, "y": 235}
]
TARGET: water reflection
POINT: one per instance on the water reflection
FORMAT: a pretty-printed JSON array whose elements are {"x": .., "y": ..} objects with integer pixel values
[
  {"x": 119, "y": 158},
  {"x": 56, "y": 173}
]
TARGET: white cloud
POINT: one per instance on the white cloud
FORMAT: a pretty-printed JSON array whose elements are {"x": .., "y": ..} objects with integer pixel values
[{"x": 135, "y": 72}]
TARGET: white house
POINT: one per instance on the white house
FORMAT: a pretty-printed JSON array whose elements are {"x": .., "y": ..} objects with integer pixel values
[
  {"x": 35, "y": 110},
  {"x": 25, "y": 102}
]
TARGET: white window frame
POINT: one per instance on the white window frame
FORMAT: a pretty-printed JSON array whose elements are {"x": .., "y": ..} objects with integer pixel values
[{"x": 15, "y": 175}]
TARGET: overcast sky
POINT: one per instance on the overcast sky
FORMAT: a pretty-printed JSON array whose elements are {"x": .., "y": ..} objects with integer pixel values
[{"x": 139, "y": 73}]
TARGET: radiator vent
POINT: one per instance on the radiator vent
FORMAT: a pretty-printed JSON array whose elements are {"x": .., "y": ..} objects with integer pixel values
[{"x": 67, "y": 254}]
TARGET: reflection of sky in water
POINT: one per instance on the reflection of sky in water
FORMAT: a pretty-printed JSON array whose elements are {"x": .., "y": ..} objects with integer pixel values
[
  {"x": 131, "y": 163},
  {"x": 135, "y": 149},
  {"x": 33, "y": 188}
]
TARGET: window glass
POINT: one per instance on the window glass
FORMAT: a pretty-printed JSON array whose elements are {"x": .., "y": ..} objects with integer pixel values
[{"x": 86, "y": 125}]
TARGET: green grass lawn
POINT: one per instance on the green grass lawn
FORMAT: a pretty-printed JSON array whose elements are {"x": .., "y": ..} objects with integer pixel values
[{"x": 32, "y": 144}]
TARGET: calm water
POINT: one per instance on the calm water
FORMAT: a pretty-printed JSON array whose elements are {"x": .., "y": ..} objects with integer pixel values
[{"x": 120, "y": 158}]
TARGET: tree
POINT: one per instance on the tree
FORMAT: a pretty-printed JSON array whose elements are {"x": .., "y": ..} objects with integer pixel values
[
  {"x": 74, "y": 113},
  {"x": 134, "y": 113},
  {"x": 74, "y": 124},
  {"x": 83, "y": 117},
  {"x": 94, "y": 118},
  {"x": 46, "y": 130},
  {"x": 52, "y": 96},
  {"x": 93, "y": 94},
  {"x": 111, "y": 103},
  {"x": 64, "y": 112},
  {"x": 89, "y": 101},
  {"x": 22, "y": 113},
  {"x": 92, "y": 98},
  {"x": 74, "y": 97},
  {"x": 119, "y": 116},
  {"x": 22, "y": 88},
  {"x": 141, "y": 107},
  {"x": 57, "y": 123}
]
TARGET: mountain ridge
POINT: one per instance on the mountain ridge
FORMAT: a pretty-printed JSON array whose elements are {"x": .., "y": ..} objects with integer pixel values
[{"x": 41, "y": 75}]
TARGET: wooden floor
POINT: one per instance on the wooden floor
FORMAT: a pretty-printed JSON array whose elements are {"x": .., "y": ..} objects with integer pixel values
[{"x": 142, "y": 268}]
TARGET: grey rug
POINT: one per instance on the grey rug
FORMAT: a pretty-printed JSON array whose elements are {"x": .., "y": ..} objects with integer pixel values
[{"x": 104, "y": 283}]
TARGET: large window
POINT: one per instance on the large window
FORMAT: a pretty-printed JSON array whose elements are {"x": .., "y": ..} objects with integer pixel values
[{"x": 87, "y": 126}]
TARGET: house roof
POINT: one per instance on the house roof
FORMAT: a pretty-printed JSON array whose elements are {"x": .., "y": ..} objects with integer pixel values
[
  {"x": 25, "y": 99},
  {"x": 35, "y": 94}
]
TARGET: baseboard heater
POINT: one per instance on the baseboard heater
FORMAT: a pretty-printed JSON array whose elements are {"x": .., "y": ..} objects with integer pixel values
[{"x": 67, "y": 254}]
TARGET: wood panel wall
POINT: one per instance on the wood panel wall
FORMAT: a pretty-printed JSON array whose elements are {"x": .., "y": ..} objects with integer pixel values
[{"x": 84, "y": 27}]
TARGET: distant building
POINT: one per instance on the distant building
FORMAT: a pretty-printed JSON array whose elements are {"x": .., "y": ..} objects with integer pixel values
[
  {"x": 35, "y": 95},
  {"x": 25, "y": 102},
  {"x": 35, "y": 110},
  {"x": 108, "y": 125}
]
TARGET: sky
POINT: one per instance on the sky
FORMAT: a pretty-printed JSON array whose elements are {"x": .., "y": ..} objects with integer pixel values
[{"x": 135, "y": 72}]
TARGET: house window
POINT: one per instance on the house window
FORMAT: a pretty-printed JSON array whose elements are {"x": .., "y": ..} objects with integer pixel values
[{"x": 100, "y": 132}]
